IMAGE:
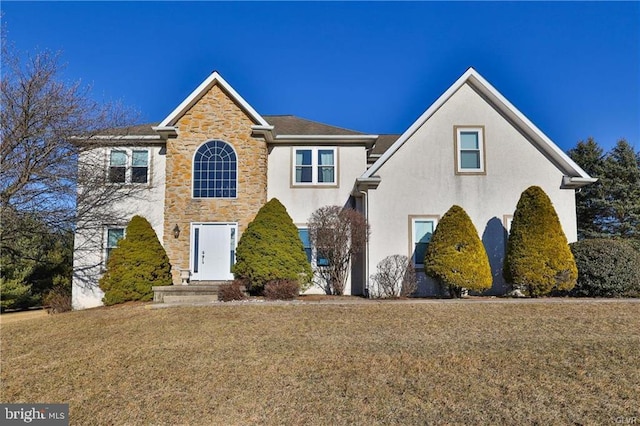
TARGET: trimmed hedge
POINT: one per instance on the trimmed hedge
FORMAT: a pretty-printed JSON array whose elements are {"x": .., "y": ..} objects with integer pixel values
[
  {"x": 538, "y": 258},
  {"x": 606, "y": 268},
  {"x": 138, "y": 263},
  {"x": 456, "y": 256},
  {"x": 270, "y": 249}
]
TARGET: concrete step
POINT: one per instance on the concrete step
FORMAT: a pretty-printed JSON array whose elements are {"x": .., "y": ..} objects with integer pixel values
[{"x": 204, "y": 298}]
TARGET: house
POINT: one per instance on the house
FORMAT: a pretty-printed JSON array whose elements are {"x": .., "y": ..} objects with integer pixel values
[{"x": 207, "y": 168}]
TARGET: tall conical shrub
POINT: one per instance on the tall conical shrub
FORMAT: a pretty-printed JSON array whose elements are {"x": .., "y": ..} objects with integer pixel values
[
  {"x": 138, "y": 263},
  {"x": 270, "y": 249},
  {"x": 456, "y": 256},
  {"x": 538, "y": 258}
]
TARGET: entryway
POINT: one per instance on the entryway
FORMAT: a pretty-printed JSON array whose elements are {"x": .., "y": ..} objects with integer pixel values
[{"x": 213, "y": 250}]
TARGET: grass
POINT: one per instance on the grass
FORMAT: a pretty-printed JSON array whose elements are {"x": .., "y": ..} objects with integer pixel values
[{"x": 375, "y": 363}]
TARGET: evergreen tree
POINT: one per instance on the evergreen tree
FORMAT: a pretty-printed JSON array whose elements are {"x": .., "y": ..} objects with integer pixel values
[
  {"x": 538, "y": 258},
  {"x": 32, "y": 262},
  {"x": 138, "y": 263},
  {"x": 270, "y": 249},
  {"x": 590, "y": 201},
  {"x": 456, "y": 256},
  {"x": 622, "y": 191}
]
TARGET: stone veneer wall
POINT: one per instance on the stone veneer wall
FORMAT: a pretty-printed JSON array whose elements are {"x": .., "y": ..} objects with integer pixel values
[{"x": 214, "y": 116}]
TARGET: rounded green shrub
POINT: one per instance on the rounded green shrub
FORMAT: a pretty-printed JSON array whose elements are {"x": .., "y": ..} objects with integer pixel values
[
  {"x": 138, "y": 263},
  {"x": 456, "y": 256},
  {"x": 270, "y": 249},
  {"x": 606, "y": 268},
  {"x": 538, "y": 258}
]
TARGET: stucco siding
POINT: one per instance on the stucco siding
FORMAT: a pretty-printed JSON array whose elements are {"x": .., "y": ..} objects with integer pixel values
[
  {"x": 301, "y": 202},
  {"x": 89, "y": 244},
  {"x": 420, "y": 179}
]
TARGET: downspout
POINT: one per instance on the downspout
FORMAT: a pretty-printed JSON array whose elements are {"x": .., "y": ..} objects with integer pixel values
[{"x": 366, "y": 259}]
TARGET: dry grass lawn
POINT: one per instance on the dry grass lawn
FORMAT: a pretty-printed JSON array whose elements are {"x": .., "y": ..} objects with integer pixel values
[{"x": 315, "y": 364}]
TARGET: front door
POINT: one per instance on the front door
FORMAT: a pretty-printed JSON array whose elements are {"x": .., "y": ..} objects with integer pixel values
[{"x": 213, "y": 248}]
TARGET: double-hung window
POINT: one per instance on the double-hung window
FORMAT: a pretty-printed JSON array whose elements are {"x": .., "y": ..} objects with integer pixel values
[
  {"x": 112, "y": 236},
  {"x": 315, "y": 166},
  {"x": 129, "y": 166},
  {"x": 421, "y": 228},
  {"x": 470, "y": 155}
]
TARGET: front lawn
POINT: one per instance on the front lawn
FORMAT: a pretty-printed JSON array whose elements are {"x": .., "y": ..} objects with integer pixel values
[{"x": 445, "y": 362}]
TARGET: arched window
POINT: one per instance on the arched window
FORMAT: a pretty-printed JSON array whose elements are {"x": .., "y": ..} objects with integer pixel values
[{"x": 215, "y": 171}]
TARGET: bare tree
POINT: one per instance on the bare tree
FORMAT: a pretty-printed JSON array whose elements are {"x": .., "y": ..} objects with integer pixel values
[
  {"x": 396, "y": 277},
  {"x": 46, "y": 124},
  {"x": 337, "y": 234}
]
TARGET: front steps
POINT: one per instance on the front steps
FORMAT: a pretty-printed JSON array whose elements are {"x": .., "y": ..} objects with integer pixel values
[{"x": 194, "y": 292}]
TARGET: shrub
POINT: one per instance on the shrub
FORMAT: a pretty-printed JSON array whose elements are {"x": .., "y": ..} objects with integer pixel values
[
  {"x": 58, "y": 299},
  {"x": 338, "y": 234},
  {"x": 396, "y": 277},
  {"x": 135, "y": 265},
  {"x": 234, "y": 290},
  {"x": 538, "y": 258},
  {"x": 270, "y": 249},
  {"x": 606, "y": 268},
  {"x": 455, "y": 255},
  {"x": 281, "y": 290}
]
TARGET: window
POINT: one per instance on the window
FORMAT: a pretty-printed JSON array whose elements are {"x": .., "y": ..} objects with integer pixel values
[
  {"x": 215, "y": 171},
  {"x": 113, "y": 235},
  {"x": 139, "y": 166},
  {"x": 469, "y": 150},
  {"x": 315, "y": 166},
  {"x": 312, "y": 255},
  {"x": 128, "y": 166},
  {"x": 303, "y": 233},
  {"x": 421, "y": 231}
]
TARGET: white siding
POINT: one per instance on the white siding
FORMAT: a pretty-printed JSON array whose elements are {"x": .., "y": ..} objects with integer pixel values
[
  {"x": 420, "y": 179},
  {"x": 89, "y": 244},
  {"x": 301, "y": 202}
]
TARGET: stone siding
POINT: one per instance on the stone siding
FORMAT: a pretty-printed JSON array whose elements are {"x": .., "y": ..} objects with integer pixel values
[{"x": 214, "y": 116}]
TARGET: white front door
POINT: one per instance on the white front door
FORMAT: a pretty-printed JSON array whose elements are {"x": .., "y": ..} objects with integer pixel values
[{"x": 213, "y": 249}]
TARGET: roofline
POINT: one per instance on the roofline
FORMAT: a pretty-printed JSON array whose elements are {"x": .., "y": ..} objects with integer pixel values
[
  {"x": 471, "y": 76},
  {"x": 126, "y": 137},
  {"x": 212, "y": 80}
]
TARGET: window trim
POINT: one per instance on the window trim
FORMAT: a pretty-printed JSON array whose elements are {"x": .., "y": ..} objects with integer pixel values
[
  {"x": 457, "y": 130},
  {"x": 193, "y": 171},
  {"x": 314, "y": 167},
  {"x": 411, "y": 222},
  {"x": 128, "y": 171}
]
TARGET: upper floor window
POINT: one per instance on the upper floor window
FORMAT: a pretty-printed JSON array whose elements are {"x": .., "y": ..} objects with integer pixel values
[
  {"x": 215, "y": 171},
  {"x": 315, "y": 166},
  {"x": 470, "y": 156},
  {"x": 421, "y": 231},
  {"x": 128, "y": 165}
]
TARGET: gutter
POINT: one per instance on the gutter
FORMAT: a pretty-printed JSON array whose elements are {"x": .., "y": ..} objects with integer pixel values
[{"x": 573, "y": 182}]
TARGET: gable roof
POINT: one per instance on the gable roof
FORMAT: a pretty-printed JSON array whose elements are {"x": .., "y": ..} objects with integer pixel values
[
  {"x": 576, "y": 176},
  {"x": 214, "y": 79}
]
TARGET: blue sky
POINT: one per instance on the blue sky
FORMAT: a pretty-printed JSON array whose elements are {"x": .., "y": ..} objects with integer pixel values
[{"x": 573, "y": 68}]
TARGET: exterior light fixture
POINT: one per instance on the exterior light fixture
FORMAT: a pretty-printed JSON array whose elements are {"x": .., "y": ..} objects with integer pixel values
[{"x": 176, "y": 231}]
